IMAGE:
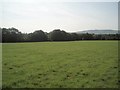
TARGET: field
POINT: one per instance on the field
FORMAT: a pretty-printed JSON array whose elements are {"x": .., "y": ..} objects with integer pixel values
[{"x": 78, "y": 64}]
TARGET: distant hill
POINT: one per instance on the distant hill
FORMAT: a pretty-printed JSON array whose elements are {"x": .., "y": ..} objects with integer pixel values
[{"x": 99, "y": 31}]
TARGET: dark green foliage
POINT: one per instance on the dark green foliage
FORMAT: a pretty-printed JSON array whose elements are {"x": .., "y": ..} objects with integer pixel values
[
  {"x": 11, "y": 35},
  {"x": 0, "y": 35},
  {"x": 58, "y": 35},
  {"x": 37, "y": 36},
  {"x": 14, "y": 35}
]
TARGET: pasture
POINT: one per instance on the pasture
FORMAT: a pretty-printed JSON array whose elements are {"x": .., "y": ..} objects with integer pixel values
[{"x": 75, "y": 64}]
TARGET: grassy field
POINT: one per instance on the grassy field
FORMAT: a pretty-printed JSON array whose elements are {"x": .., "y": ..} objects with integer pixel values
[{"x": 79, "y": 64}]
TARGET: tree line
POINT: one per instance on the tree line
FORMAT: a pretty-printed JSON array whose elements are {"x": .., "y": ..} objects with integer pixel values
[{"x": 14, "y": 35}]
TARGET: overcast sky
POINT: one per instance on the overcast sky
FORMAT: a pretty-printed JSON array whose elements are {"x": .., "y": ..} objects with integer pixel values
[{"x": 31, "y": 15}]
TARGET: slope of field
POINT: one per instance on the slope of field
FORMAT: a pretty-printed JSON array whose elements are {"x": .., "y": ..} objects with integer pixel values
[{"x": 82, "y": 64}]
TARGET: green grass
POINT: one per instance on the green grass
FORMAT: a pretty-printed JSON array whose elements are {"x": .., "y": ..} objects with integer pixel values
[{"x": 79, "y": 64}]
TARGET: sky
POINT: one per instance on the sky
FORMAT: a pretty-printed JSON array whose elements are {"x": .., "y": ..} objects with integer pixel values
[{"x": 30, "y": 15}]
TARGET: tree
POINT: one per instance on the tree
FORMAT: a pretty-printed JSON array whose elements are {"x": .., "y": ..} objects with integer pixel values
[
  {"x": 11, "y": 35},
  {"x": 58, "y": 35},
  {"x": 37, "y": 36},
  {"x": 14, "y": 35},
  {"x": 74, "y": 36},
  {"x": 0, "y": 35}
]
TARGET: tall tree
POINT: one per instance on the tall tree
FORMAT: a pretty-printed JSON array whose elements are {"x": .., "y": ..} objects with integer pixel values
[
  {"x": 38, "y": 35},
  {"x": 0, "y": 35},
  {"x": 58, "y": 35},
  {"x": 11, "y": 35}
]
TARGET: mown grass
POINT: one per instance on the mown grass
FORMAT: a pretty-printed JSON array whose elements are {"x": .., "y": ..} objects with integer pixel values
[{"x": 79, "y": 64}]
